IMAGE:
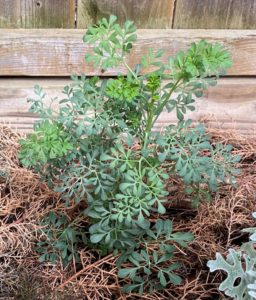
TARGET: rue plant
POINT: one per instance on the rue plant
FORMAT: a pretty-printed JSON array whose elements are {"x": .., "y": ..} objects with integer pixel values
[{"x": 100, "y": 148}]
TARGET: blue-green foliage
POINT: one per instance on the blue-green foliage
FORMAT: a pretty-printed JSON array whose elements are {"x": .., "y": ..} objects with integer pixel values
[
  {"x": 111, "y": 42},
  {"x": 99, "y": 148},
  {"x": 149, "y": 267},
  {"x": 60, "y": 239}
]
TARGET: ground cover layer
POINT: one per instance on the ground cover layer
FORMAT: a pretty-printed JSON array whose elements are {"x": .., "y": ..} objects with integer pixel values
[{"x": 25, "y": 200}]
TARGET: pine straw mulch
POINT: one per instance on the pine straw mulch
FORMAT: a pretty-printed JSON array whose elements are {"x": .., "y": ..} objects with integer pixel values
[{"x": 24, "y": 200}]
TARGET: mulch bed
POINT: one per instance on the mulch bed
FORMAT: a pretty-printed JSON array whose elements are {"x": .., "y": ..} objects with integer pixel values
[{"x": 24, "y": 200}]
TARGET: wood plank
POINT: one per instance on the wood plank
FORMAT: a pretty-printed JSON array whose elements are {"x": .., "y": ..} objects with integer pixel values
[
  {"x": 41, "y": 52},
  {"x": 231, "y": 104},
  {"x": 215, "y": 14},
  {"x": 37, "y": 14},
  {"x": 144, "y": 13}
]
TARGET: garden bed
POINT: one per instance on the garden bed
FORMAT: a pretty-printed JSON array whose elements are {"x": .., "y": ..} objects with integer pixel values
[{"x": 24, "y": 200}]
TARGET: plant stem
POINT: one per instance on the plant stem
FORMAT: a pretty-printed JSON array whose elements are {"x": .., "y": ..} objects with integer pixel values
[
  {"x": 162, "y": 104},
  {"x": 149, "y": 123},
  {"x": 130, "y": 70}
]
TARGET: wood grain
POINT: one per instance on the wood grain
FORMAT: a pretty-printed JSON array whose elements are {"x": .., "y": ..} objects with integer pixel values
[
  {"x": 231, "y": 104},
  {"x": 37, "y": 14},
  {"x": 144, "y": 13},
  {"x": 215, "y": 14},
  {"x": 41, "y": 52}
]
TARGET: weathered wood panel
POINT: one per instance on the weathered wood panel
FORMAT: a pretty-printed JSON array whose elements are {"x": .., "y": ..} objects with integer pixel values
[
  {"x": 231, "y": 104},
  {"x": 37, "y": 13},
  {"x": 215, "y": 14},
  {"x": 40, "y": 52},
  {"x": 13, "y": 99},
  {"x": 145, "y": 13}
]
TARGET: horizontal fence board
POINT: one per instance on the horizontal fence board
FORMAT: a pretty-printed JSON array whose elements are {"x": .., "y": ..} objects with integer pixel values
[
  {"x": 144, "y": 13},
  {"x": 37, "y": 13},
  {"x": 229, "y": 105},
  {"x": 215, "y": 14},
  {"x": 61, "y": 52}
]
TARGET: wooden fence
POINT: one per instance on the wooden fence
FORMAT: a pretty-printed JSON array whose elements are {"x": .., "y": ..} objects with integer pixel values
[
  {"x": 47, "y": 57},
  {"x": 164, "y": 14}
]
